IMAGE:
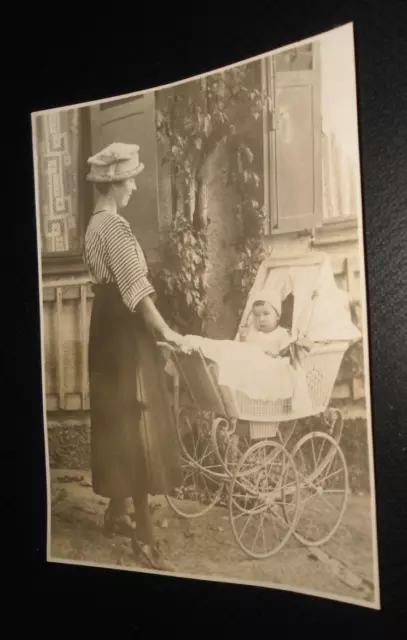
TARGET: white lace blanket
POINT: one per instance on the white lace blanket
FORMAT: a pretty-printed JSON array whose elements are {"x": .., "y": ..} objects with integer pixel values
[{"x": 245, "y": 367}]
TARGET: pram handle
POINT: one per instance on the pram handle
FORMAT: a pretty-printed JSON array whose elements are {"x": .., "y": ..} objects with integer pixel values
[
  {"x": 166, "y": 345},
  {"x": 173, "y": 348}
]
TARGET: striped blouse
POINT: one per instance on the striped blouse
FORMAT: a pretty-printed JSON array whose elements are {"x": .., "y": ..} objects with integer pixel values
[{"x": 113, "y": 254}]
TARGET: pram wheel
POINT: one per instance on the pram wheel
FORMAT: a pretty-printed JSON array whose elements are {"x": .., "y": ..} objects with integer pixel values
[
  {"x": 228, "y": 444},
  {"x": 333, "y": 419},
  {"x": 200, "y": 489},
  {"x": 285, "y": 431},
  {"x": 323, "y": 477},
  {"x": 265, "y": 480}
]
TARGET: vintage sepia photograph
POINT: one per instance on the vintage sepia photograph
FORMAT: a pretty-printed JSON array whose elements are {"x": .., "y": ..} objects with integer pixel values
[{"x": 204, "y": 328}]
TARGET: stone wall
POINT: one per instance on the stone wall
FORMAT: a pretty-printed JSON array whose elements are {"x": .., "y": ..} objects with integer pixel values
[{"x": 69, "y": 442}]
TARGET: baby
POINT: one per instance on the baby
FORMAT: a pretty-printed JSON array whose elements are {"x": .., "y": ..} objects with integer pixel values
[{"x": 266, "y": 331}]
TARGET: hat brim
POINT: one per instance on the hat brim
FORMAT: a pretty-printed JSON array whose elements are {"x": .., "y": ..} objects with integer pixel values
[{"x": 126, "y": 175}]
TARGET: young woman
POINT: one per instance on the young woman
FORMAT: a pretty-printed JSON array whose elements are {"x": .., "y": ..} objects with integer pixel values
[{"x": 133, "y": 437}]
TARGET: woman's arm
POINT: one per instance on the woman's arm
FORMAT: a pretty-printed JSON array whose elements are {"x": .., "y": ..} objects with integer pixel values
[
  {"x": 155, "y": 321},
  {"x": 131, "y": 279}
]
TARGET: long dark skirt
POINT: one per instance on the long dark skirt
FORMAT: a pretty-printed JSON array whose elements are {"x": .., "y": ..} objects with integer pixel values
[{"x": 134, "y": 444}]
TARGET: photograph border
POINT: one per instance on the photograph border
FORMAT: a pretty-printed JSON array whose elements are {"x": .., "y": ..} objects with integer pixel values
[{"x": 376, "y": 602}]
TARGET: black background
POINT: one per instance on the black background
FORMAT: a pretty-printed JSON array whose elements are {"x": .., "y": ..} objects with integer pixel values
[{"x": 49, "y": 67}]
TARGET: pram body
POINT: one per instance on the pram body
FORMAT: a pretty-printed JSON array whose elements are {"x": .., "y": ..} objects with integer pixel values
[{"x": 248, "y": 448}]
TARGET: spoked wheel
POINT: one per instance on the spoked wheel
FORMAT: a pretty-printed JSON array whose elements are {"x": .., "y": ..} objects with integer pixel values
[
  {"x": 235, "y": 449},
  {"x": 333, "y": 421},
  {"x": 285, "y": 431},
  {"x": 228, "y": 446},
  {"x": 324, "y": 488},
  {"x": 264, "y": 482},
  {"x": 202, "y": 479}
]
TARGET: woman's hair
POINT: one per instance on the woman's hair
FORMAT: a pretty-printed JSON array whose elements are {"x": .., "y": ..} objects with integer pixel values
[{"x": 104, "y": 187}]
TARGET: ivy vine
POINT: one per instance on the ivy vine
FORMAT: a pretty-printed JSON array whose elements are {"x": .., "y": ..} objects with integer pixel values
[
  {"x": 194, "y": 120},
  {"x": 251, "y": 219}
]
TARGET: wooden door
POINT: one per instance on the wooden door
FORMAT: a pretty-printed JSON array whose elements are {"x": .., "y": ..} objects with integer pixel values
[
  {"x": 295, "y": 147},
  {"x": 132, "y": 120}
]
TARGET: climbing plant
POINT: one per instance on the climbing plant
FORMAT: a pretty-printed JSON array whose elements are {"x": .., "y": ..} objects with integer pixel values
[
  {"x": 194, "y": 119},
  {"x": 251, "y": 218}
]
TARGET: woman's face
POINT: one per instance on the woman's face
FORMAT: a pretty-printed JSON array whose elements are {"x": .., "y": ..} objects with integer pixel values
[{"x": 122, "y": 192}]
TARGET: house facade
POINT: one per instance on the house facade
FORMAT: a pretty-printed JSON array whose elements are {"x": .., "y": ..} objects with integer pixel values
[{"x": 306, "y": 190}]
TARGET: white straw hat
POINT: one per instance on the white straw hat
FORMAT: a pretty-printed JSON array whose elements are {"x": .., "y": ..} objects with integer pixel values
[{"x": 118, "y": 161}]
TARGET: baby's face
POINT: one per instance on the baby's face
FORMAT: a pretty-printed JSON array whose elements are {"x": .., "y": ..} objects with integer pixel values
[{"x": 265, "y": 317}]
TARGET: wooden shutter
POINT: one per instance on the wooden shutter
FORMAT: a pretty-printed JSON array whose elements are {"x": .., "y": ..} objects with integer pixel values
[
  {"x": 132, "y": 120},
  {"x": 295, "y": 167}
]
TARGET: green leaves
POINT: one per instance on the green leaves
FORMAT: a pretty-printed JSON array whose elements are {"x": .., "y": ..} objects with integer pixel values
[
  {"x": 184, "y": 284},
  {"x": 207, "y": 124},
  {"x": 247, "y": 153}
]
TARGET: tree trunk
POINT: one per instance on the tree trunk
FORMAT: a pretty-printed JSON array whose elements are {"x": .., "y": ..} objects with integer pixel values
[
  {"x": 199, "y": 216},
  {"x": 174, "y": 190}
]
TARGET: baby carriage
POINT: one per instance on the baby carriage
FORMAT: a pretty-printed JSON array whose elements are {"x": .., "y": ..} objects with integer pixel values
[{"x": 276, "y": 475}]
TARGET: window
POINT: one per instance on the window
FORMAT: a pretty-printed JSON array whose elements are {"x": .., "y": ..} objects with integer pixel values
[
  {"x": 62, "y": 149},
  {"x": 65, "y": 139},
  {"x": 293, "y": 140},
  {"x": 339, "y": 180},
  {"x": 308, "y": 181}
]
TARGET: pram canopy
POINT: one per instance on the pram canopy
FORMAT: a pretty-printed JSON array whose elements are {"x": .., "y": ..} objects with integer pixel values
[{"x": 321, "y": 311}]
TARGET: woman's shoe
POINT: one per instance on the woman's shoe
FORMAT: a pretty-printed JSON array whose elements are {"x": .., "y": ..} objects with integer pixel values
[
  {"x": 118, "y": 524},
  {"x": 152, "y": 555}
]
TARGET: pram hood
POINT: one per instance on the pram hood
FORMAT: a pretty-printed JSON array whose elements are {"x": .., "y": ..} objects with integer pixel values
[{"x": 321, "y": 310}]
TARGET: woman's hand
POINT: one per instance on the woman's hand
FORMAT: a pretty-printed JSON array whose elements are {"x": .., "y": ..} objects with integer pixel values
[
  {"x": 172, "y": 336},
  {"x": 176, "y": 339}
]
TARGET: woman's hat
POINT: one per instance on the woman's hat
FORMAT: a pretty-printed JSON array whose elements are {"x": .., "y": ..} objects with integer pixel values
[
  {"x": 118, "y": 161},
  {"x": 272, "y": 297}
]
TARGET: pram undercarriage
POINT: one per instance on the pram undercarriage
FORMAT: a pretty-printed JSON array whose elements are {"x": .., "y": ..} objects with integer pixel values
[{"x": 274, "y": 483}]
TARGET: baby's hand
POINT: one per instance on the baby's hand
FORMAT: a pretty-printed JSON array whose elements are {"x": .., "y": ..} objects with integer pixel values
[{"x": 243, "y": 333}]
